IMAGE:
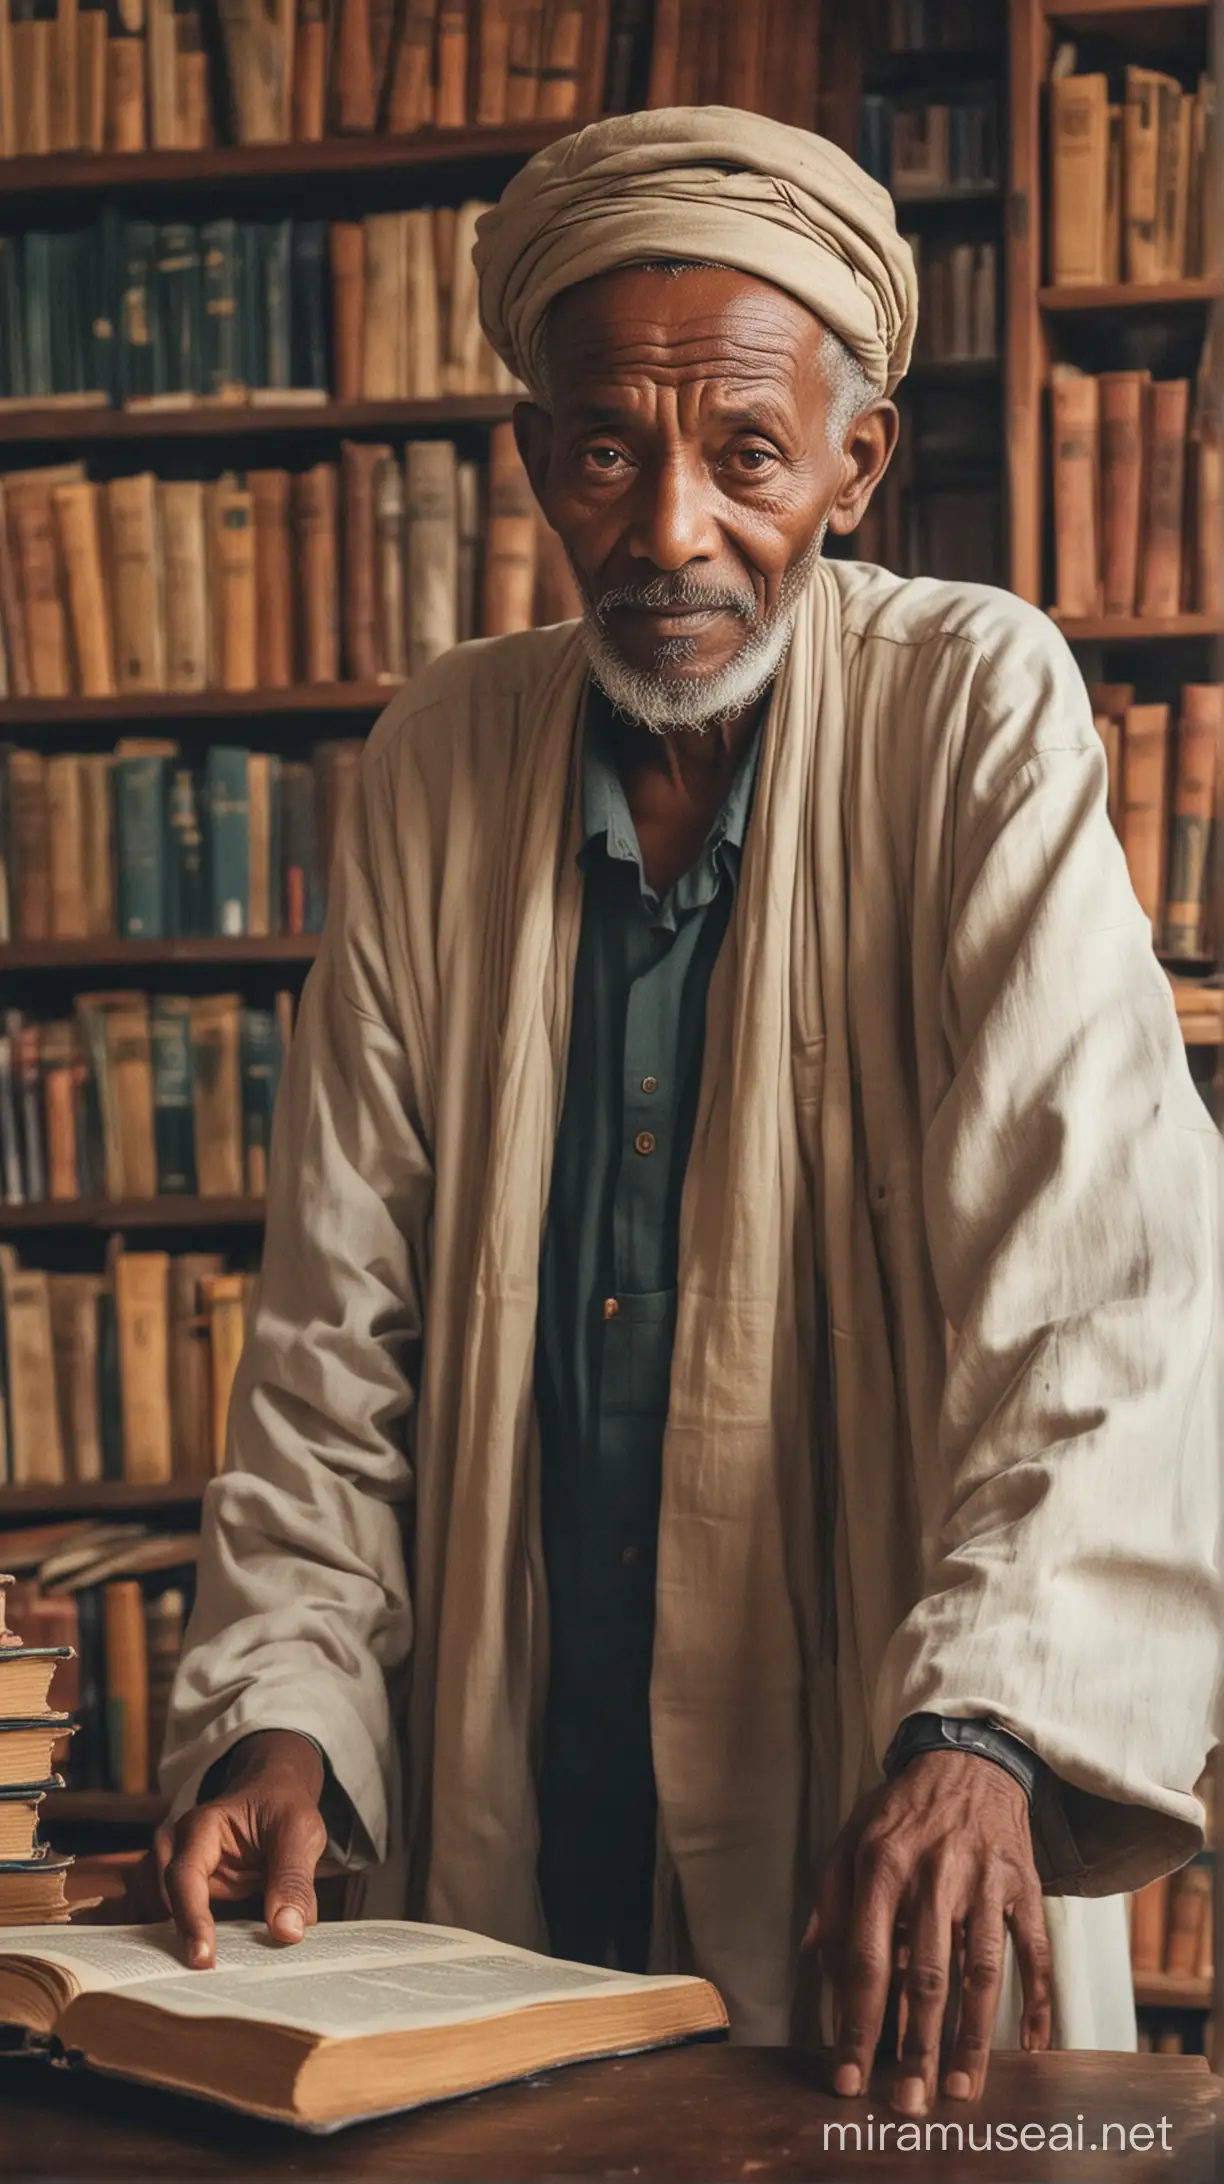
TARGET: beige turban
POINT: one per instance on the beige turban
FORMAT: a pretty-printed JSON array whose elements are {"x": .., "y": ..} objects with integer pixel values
[{"x": 705, "y": 182}]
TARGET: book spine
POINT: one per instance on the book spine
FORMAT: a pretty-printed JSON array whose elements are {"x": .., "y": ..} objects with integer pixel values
[
  {"x": 77, "y": 509},
  {"x": 1145, "y": 769},
  {"x": 359, "y": 462},
  {"x": 510, "y": 539},
  {"x": 315, "y": 519},
  {"x": 261, "y": 1066},
  {"x": 127, "y": 1686},
  {"x": 130, "y": 1064},
  {"x": 187, "y": 889},
  {"x": 27, "y": 784},
  {"x": 36, "y": 553},
  {"x": 66, "y": 841},
  {"x": 308, "y": 303},
  {"x": 137, "y": 349},
  {"x": 229, "y": 835},
  {"x": 452, "y": 65},
  {"x": 141, "y": 843},
  {"x": 178, "y": 308},
  {"x": 269, "y": 491},
  {"x": 222, "y": 376},
  {"x": 216, "y": 1070},
  {"x": 1079, "y": 126},
  {"x": 259, "y": 803},
  {"x": 135, "y": 564},
  {"x": 346, "y": 245},
  {"x": 356, "y": 94},
  {"x": 1161, "y": 582},
  {"x": 412, "y": 92},
  {"x": 310, "y": 73},
  {"x": 173, "y": 1109},
  {"x": 1199, "y": 735},
  {"x": 1141, "y": 169},
  {"x": 142, "y": 1317},
  {"x": 1122, "y": 401},
  {"x": 185, "y": 582},
  {"x": 1075, "y": 415},
  {"x": 232, "y": 585},
  {"x": 91, "y": 75}
]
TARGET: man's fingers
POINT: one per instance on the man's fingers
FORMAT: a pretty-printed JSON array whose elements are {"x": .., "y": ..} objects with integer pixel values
[
  {"x": 925, "y": 1994},
  {"x": 295, "y": 1845},
  {"x": 834, "y": 1890},
  {"x": 186, "y": 1879},
  {"x": 862, "y": 1965},
  {"x": 981, "y": 1982},
  {"x": 1028, "y": 1926}
]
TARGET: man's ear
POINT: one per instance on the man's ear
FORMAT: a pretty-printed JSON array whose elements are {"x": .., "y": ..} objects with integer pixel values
[
  {"x": 868, "y": 451},
  {"x": 533, "y": 438}
]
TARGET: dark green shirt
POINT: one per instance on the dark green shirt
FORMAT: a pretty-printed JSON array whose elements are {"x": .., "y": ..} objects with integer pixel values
[{"x": 608, "y": 1273}]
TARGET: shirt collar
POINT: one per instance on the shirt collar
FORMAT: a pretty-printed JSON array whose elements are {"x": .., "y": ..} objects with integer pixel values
[{"x": 605, "y": 807}]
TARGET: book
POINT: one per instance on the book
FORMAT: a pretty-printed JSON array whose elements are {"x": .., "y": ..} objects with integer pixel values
[
  {"x": 216, "y": 1021},
  {"x": 258, "y": 51},
  {"x": 25, "y": 1679},
  {"x": 431, "y": 493},
  {"x": 1079, "y": 139},
  {"x": 1149, "y": 1907},
  {"x": 1160, "y": 583},
  {"x": 30, "y": 847},
  {"x": 173, "y": 1098},
  {"x": 191, "y": 1365},
  {"x": 1146, "y": 92},
  {"x": 315, "y": 522},
  {"x": 32, "y": 1890},
  {"x": 135, "y": 566},
  {"x": 1145, "y": 775},
  {"x": 269, "y": 491},
  {"x": 411, "y": 96},
  {"x": 74, "y": 1300},
  {"x": 261, "y": 1067},
  {"x": 142, "y": 844},
  {"x": 1188, "y": 1915},
  {"x": 78, "y": 515},
  {"x": 127, "y": 1685},
  {"x": 359, "y": 463},
  {"x": 310, "y": 68},
  {"x": 185, "y": 582},
  {"x": 347, "y": 249},
  {"x": 19, "y": 1811},
  {"x": 451, "y": 63},
  {"x": 1074, "y": 398},
  {"x": 363, "y": 2018},
  {"x": 223, "y": 1298},
  {"x": 1200, "y": 736},
  {"x": 232, "y": 584},
  {"x": 141, "y": 1280},
  {"x": 1123, "y": 398},
  {"x": 164, "y": 1617},
  {"x": 35, "y": 1445},
  {"x": 66, "y": 845},
  {"x": 35, "y": 553}
]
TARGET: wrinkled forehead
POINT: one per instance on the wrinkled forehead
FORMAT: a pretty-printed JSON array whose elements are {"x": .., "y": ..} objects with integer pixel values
[{"x": 676, "y": 319}]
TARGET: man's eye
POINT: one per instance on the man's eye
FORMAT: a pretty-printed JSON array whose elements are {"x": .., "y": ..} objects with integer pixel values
[
  {"x": 602, "y": 458},
  {"x": 754, "y": 459}
]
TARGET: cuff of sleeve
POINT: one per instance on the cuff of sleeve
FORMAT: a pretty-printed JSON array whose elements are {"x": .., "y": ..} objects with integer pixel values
[{"x": 356, "y": 1819}]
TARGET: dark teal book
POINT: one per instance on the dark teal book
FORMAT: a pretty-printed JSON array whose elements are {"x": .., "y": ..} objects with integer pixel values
[
  {"x": 300, "y": 886},
  {"x": 173, "y": 1106},
  {"x": 252, "y": 317},
  {"x": 261, "y": 1071},
  {"x": 138, "y": 350},
  {"x": 177, "y": 311},
  {"x": 141, "y": 846},
  {"x": 11, "y": 1185},
  {"x": 309, "y": 292},
  {"x": 87, "y": 1767},
  {"x": 222, "y": 367},
  {"x": 12, "y": 319},
  {"x": 187, "y": 894},
  {"x": 101, "y": 277},
  {"x": 36, "y": 289},
  {"x": 8, "y": 877},
  {"x": 228, "y": 809},
  {"x": 275, "y": 260},
  {"x": 276, "y": 831}
]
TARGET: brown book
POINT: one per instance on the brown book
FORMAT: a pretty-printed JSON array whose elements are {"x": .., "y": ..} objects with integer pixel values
[
  {"x": 665, "y": 54},
  {"x": 1074, "y": 398},
  {"x": 216, "y": 1024},
  {"x": 98, "y": 871},
  {"x": 1114, "y": 198},
  {"x": 9, "y": 145},
  {"x": 66, "y": 842},
  {"x": 193, "y": 90},
  {"x": 1142, "y": 171},
  {"x": 32, "y": 38},
  {"x": 161, "y": 56},
  {"x": 35, "y": 549},
  {"x": 470, "y": 544},
  {"x": 224, "y": 1300},
  {"x": 354, "y": 87},
  {"x": 35, "y": 1449},
  {"x": 421, "y": 355},
  {"x": 1209, "y": 525},
  {"x": 78, "y": 515},
  {"x": 744, "y": 57},
  {"x": 390, "y": 637},
  {"x": 75, "y": 1302},
  {"x": 1145, "y": 815},
  {"x": 232, "y": 592},
  {"x": 91, "y": 77},
  {"x": 1200, "y": 734},
  {"x": 510, "y": 539},
  {"x": 184, "y": 555},
  {"x": 359, "y": 463},
  {"x": 461, "y": 340},
  {"x": 12, "y": 613},
  {"x": 190, "y": 1365},
  {"x": 314, "y": 513},
  {"x": 1189, "y": 1908},
  {"x": 141, "y": 1281},
  {"x": 432, "y": 551},
  {"x": 65, "y": 113},
  {"x": 129, "y": 1064},
  {"x": 493, "y": 69},
  {"x": 259, "y": 829},
  {"x": 310, "y": 60},
  {"x": 30, "y": 842},
  {"x": 384, "y": 338},
  {"x": 1160, "y": 584},
  {"x": 258, "y": 41},
  {"x": 1149, "y": 1909},
  {"x": 125, "y": 78},
  {"x": 452, "y": 98},
  {"x": 1079, "y": 145},
  {"x": 1122, "y": 397},
  {"x": 269, "y": 490},
  {"x": 164, "y": 1619},
  {"x": 63, "y": 1074},
  {"x": 346, "y": 241},
  {"x": 127, "y": 1686},
  {"x": 135, "y": 583},
  {"x": 412, "y": 92},
  {"x": 524, "y": 52}
]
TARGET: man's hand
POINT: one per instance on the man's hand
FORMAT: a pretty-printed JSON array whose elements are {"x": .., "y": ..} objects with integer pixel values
[
  {"x": 938, "y": 1859},
  {"x": 263, "y": 1832}
]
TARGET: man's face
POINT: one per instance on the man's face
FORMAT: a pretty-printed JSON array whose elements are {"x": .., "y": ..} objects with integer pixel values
[{"x": 688, "y": 468}]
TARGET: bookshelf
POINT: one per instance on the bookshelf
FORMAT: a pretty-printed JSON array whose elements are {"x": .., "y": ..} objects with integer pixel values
[
  {"x": 84, "y": 428},
  {"x": 114, "y": 1215},
  {"x": 104, "y": 1497}
]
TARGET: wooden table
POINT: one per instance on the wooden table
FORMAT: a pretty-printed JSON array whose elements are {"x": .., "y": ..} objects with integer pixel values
[{"x": 699, "y": 2113}]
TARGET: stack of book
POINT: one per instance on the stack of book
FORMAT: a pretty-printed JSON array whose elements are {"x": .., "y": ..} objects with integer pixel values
[
  {"x": 31, "y": 1880},
  {"x": 99, "y": 1593},
  {"x": 958, "y": 301},
  {"x": 145, "y": 845},
  {"x": 1162, "y": 795},
  {"x": 273, "y": 313},
  {"x": 1131, "y": 177},
  {"x": 124, "y": 1375},
  {"x": 1138, "y": 508},
  {"x": 140, "y": 1096},
  {"x": 363, "y": 572},
  {"x": 922, "y": 148}
]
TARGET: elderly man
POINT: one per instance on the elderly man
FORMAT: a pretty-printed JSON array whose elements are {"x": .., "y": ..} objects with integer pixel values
[{"x": 720, "y": 1450}]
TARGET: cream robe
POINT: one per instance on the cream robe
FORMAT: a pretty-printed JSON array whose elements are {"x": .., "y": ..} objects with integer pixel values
[{"x": 944, "y": 1090}]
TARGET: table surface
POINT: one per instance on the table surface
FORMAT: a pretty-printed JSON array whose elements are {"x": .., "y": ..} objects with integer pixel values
[{"x": 702, "y": 2112}]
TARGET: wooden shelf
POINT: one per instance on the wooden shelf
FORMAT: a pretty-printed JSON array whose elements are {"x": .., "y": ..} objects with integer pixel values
[
  {"x": 1172, "y": 1991},
  {"x": 1129, "y": 295},
  {"x": 1059, "y": 11},
  {"x": 88, "y": 426},
  {"x": 303, "y": 698},
  {"x": 1128, "y": 629},
  {"x": 101, "y": 1497},
  {"x": 427, "y": 154},
  {"x": 111, "y": 1808},
  {"x": 125, "y": 1213},
  {"x": 64, "y": 955}
]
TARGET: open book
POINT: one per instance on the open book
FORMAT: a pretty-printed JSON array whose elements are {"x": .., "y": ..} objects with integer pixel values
[{"x": 358, "y": 2019}]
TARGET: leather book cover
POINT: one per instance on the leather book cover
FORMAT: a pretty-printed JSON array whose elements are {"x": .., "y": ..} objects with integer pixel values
[
  {"x": 12, "y": 616},
  {"x": 185, "y": 577},
  {"x": 259, "y": 870},
  {"x": 359, "y": 463},
  {"x": 74, "y": 1334},
  {"x": 78, "y": 518},
  {"x": 98, "y": 869},
  {"x": 36, "y": 1451},
  {"x": 524, "y": 52},
  {"x": 346, "y": 247},
  {"x": 1145, "y": 810},
  {"x": 454, "y": 61},
  {"x": 232, "y": 595},
  {"x": 33, "y": 39},
  {"x": 127, "y": 1685},
  {"x": 493, "y": 63},
  {"x": 1074, "y": 402},
  {"x": 130, "y": 1067},
  {"x": 135, "y": 582},
  {"x": 91, "y": 75},
  {"x": 193, "y": 91},
  {"x": 190, "y": 1365},
  {"x": 224, "y": 1301},
  {"x": 160, "y": 43},
  {"x": 173, "y": 1100},
  {"x": 384, "y": 341},
  {"x": 29, "y": 843},
  {"x": 35, "y": 547},
  {"x": 1141, "y": 172},
  {"x": 1079, "y": 164},
  {"x": 66, "y": 840},
  {"x": 1200, "y": 736},
  {"x": 1160, "y": 585},
  {"x": 310, "y": 65},
  {"x": 125, "y": 77},
  {"x": 269, "y": 490},
  {"x": 411, "y": 103},
  {"x": 215, "y": 1032},
  {"x": 314, "y": 516},
  {"x": 65, "y": 114},
  {"x": 354, "y": 90},
  {"x": 1123, "y": 396},
  {"x": 422, "y": 360},
  {"x": 60, "y": 1068}
]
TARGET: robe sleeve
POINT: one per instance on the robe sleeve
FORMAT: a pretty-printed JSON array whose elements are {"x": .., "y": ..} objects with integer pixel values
[
  {"x": 302, "y": 1604},
  {"x": 1070, "y": 1187}
]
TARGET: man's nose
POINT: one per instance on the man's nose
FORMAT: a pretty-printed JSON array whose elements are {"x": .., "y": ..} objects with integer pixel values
[{"x": 673, "y": 522}]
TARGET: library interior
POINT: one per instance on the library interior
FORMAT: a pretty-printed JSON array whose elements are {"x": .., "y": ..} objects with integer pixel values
[{"x": 259, "y": 474}]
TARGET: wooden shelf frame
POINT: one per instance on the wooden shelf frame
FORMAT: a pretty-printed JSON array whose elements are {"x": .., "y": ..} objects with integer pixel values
[
  {"x": 96, "y": 1497},
  {"x": 1130, "y": 296},
  {"x": 87, "y": 425},
  {"x": 252, "y": 950},
  {"x": 113, "y": 1214},
  {"x": 302, "y": 700},
  {"x": 1172, "y": 1991},
  {"x": 1129, "y": 629},
  {"x": 103, "y": 1808},
  {"x": 1057, "y": 11}
]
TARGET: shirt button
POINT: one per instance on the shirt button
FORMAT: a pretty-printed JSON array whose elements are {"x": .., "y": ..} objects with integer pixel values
[
  {"x": 611, "y": 1308},
  {"x": 650, "y": 1084},
  {"x": 631, "y": 1556},
  {"x": 644, "y": 1142}
]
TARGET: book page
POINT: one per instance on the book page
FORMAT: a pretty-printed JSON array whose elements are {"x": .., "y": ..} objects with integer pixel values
[{"x": 342, "y": 1981}]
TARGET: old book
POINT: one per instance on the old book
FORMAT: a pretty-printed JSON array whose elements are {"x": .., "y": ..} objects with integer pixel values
[
  {"x": 141, "y": 1280},
  {"x": 1175, "y": 196},
  {"x": 1189, "y": 1912},
  {"x": 432, "y": 551},
  {"x": 165, "y": 1616},
  {"x": 421, "y": 353},
  {"x": 97, "y": 872},
  {"x": 127, "y": 1686},
  {"x": 29, "y": 842},
  {"x": 346, "y": 244},
  {"x": 1079, "y": 143},
  {"x": 269, "y": 490},
  {"x": 129, "y": 1063},
  {"x": 258, "y": 41},
  {"x": 62, "y": 1070},
  {"x": 310, "y": 66},
  {"x": 12, "y": 614},
  {"x": 135, "y": 575},
  {"x": 125, "y": 77},
  {"x": 225, "y": 335},
  {"x": 354, "y": 87},
  {"x": 91, "y": 76},
  {"x": 411, "y": 101},
  {"x": 1200, "y": 736},
  {"x": 142, "y": 861},
  {"x": 231, "y": 583},
  {"x": 35, "y": 1445},
  {"x": 36, "y": 558},
  {"x": 262, "y": 776},
  {"x": 1114, "y": 197},
  {"x": 1074, "y": 399},
  {"x": 228, "y": 811},
  {"x": 32, "y": 38},
  {"x": 191, "y": 78},
  {"x": 1160, "y": 583},
  {"x": 384, "y": 340},
  {"x": 19, "y": 1815},
  {"x": 66, "y": 842},
  {"x": 315, "y": 524},
  {"x": 524, "y": 54},
  {"x": 1145, "y": 814},
  {"x": 215, "y": 1040},
  {"x": 160, "y": 46},
  {"x": 469, "y": 532},
  {"x": 359, "y": 464},
  {"x": 493, "y": 67},
  {"x": 460, "y": 334},
  {"x": 1123, "y": 397},
  {"x": 190, "y": 1365},
  {"x": 224, "y": 1300},
  {"x": 451, "y": 109},
  {"x": 1142, "y": 170},
  {"x": 184, "y": 582},
  {"x": 1149, "y": 1914},
  {"x": 261, "y": 1068},
  {"x": 74, "y": 1302},
  {"x": 453, "y": 2012},
  {"x": 173, "y": 1096},
  {"x": 8, "y": 103},
  {"x": 65, "y": 116},
  {"x": 510, "y": 539},
  {"x": 390, "y": 635},
  {"x": 78, "y": 515}
]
